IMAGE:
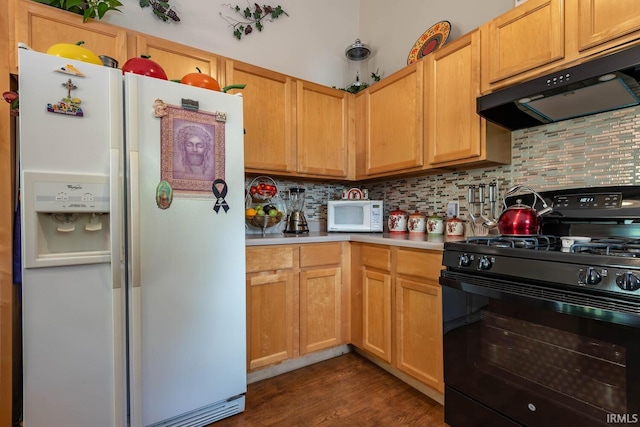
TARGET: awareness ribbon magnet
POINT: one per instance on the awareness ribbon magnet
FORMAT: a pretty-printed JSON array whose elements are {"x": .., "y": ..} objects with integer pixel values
[{"x": 220, "y": 195}]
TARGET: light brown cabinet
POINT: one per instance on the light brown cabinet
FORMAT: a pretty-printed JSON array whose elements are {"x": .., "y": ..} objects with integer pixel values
[
  {"x": 177, "y": 60},
  {"x": 376, "y": 301},
  {"x": 392, "y": 116},
  {"x": 295, "y": 297},
  {"x": 270, "y": 319},
  {"x": 603, "y": 24},
  {"x": 298, "y": 128},
  {"x": 396, "y": 309},
  {"x": 324, "y": 130},
  {"x": 272, "y": 295},
  {"x": 522, "y": 39},
  {"x": 293, "y": 127},
  {"x": 419, "y": 316},
  {"x": 269, "y": 118},
  {"x": 376, "y": 307},
  {"x": 456, "y": 134},
  {"x": 321, "y": 310},
  {"x": 41, "y": 26},
  {"x": 542, "y": 36}
]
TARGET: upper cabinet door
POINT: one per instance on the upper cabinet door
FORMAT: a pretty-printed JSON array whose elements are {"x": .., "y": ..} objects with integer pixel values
[
  {"x": 600, "y": 21},
  {"x": 455, "y": 134},
  {"x": 323, "y": 130},
  {"x": 394, "y": 113},
  {"x": 453, "y": 128},
  {"x": 269, "y": 117},
  {"x": 41, "y": 26},
  {"x": 522, "y": 39},
  {"x": 177, "y": 60}
]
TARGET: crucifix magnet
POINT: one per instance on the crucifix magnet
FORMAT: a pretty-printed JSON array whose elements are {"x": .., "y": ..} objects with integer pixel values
[{"x": 68, "y": 106}]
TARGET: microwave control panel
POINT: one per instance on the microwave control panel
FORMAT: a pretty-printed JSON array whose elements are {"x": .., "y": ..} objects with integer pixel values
[{"x": 376, "y": 216}]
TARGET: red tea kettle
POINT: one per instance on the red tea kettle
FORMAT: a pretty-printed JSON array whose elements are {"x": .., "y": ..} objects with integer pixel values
[{"x": 520, "y": 219}]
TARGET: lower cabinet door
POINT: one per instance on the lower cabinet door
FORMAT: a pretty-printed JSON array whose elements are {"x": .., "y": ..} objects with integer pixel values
[
  {"x": 270, "y": 319},
  {"x": 419, "y": 331},
  {"x": 320, "y": 309},
  {"x": 376, "y": 312}
]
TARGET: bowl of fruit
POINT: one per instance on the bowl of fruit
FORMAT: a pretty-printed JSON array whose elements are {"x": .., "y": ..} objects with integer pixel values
[
  {"x": 262, "y": 189},
  {"x": 266, "y": 215},
  {"x": 263, "y": 209}
]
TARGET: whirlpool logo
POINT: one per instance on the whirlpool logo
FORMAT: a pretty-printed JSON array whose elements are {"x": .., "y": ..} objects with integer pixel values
[{"x": 622, "y": 418}]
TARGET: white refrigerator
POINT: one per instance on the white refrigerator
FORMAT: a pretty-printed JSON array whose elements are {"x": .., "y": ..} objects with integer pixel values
[{"x": 132, "y": 248}]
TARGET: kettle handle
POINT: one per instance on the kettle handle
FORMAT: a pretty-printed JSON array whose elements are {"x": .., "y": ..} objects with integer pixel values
[{"x": 516, "y": 188}]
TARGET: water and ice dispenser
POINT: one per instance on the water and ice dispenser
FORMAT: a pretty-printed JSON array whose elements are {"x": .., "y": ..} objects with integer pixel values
[{"x": 66, "y": 219}]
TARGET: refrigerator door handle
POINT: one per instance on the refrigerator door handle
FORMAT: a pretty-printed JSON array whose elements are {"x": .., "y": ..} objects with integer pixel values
[
  {"x": 134, "y": 220},
  {"x": 117, "y": 277},
  {"x": 115, "y": 219},
  {"x": 132, "y": 165},
  {"x": 134, "y": 246},
  {"x": 116, "y": 225},
  {"x": 134, "y": 292}
]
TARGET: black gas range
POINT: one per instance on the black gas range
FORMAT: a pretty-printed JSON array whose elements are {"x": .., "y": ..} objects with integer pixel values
[
  {"x": 537, "y": 332},
  {"x": 607, "y": 266},
  {"x": 604, "y": 273}
]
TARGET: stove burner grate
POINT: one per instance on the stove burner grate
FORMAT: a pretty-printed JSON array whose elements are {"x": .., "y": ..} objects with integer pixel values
[
  {"x": 613, "y": 247},
  {"x": 540, "y": 242}
]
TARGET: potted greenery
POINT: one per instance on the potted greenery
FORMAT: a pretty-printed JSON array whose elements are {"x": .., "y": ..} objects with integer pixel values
[{"x": 96, "y": 9}]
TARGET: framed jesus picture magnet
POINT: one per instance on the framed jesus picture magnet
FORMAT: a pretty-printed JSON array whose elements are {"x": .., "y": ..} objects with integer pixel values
[{"x": 192, "y": 150}]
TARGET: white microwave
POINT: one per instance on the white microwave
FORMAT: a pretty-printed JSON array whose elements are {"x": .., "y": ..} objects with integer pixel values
[{"x": 354, "y": 215}]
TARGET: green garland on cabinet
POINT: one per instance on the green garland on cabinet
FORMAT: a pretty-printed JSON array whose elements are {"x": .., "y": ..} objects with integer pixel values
[
  {"x": 255, "y": 15},
  {"x": 96, "y": 9},
  {"x": 358, "y": 85}
]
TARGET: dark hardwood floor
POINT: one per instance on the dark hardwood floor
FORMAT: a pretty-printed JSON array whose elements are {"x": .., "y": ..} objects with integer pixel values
[{"x": 347, "y": 390}]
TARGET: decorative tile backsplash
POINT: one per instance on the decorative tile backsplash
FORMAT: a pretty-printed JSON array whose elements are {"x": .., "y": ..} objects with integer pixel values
[{"x": 592, "y": 151}]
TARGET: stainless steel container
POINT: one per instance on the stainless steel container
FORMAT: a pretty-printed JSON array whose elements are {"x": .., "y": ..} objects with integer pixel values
[{"x": 108, "y": 61}]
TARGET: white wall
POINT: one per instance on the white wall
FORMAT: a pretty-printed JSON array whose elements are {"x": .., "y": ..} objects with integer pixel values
[
  {"x": 392, "y": 28},
  {"x": 310, "y": 42}
]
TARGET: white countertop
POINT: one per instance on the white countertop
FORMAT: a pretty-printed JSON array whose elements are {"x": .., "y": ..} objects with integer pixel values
[{"x": 420, "y": 241}]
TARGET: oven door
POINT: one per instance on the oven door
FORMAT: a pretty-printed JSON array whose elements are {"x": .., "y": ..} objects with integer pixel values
[{"x": 511, "y": 358}]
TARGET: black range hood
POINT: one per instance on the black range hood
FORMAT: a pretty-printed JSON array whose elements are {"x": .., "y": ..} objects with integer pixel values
[{"x": 603, "y": 84}]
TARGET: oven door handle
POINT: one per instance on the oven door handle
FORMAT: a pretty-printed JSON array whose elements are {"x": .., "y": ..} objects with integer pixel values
[{"x": 560, "y": 300}]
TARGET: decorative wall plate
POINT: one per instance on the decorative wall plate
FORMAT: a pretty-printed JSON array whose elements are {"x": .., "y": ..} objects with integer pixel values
[
  {"x": 353, "y": 194},
  {"x": 429, "y": 41}
]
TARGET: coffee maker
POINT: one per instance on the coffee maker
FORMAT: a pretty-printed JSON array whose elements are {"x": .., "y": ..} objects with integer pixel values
[{"x": 296, "y": 222}]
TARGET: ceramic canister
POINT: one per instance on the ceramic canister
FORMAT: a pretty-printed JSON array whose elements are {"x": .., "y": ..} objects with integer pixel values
[
  {"x": 435, "y": 225},
  {"x": 397, "y": 221},
  {"x": 416, "y": 223},
  {"x": 454, "y": 227}
]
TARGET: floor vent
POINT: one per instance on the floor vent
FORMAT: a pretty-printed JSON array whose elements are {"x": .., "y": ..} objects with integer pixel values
[{"x": 205, "y": 415}]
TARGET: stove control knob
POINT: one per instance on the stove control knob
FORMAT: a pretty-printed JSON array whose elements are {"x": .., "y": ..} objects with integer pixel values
[
  {"x": 465, "y": 260},
  {"x": 485, "y": 263},
  {"x": 590, "y": 276},
  {"x": 628, "y": 282}
]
